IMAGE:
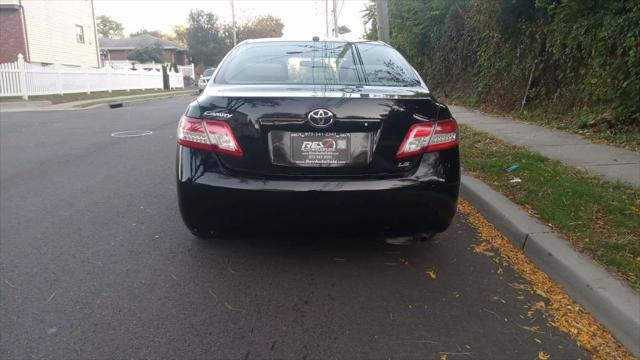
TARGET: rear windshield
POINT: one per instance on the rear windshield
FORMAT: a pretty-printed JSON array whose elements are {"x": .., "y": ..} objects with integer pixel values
[{"x": 316, "y": 63}]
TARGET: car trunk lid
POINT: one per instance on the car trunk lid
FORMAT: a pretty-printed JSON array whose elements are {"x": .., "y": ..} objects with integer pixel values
[{"x": 283, "y": 130}]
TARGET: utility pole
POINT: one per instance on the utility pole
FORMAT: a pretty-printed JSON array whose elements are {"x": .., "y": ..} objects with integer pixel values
[
  {"x": 382, "y": 17},
  {"x": 233, "y": 23},
  {"x": 326, "y": 18},
  {"x": 335, "y": 19}
]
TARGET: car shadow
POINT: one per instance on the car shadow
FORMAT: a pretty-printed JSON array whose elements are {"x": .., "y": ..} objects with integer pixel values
[{"x": 293, "y": 245}]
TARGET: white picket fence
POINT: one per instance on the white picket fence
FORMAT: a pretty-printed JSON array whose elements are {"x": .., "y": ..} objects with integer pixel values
[{"x": 24, "y": 79}]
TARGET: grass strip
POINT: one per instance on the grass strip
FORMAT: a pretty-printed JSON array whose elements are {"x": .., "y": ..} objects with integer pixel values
[{"x": 600, "y": 218}]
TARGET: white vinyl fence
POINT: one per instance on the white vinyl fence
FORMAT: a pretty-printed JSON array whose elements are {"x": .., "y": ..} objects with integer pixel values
[
  {"x": 186, "y": 70},
  {"x": 24, "y": 79},
  {"x": 176, "y": 80}
]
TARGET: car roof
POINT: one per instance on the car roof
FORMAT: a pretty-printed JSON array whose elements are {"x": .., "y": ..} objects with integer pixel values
[{"x": 265, "y": 40}]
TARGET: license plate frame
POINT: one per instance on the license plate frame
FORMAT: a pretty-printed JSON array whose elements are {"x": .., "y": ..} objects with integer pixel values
[
  {"x": 360, "y": 149},
  {"x": 318, "y": 149}
]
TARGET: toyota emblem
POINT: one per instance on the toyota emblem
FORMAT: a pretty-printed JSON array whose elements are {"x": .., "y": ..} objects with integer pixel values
[{"x": 320, "y": 118}]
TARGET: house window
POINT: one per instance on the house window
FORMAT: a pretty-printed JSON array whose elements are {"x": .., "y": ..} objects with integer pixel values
[{"x": 79, "y": 34}]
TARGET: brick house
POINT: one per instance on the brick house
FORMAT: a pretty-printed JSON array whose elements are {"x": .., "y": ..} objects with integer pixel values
[
  {"x": 117, "y": 50},
  {"x": 48, "y": 32}
]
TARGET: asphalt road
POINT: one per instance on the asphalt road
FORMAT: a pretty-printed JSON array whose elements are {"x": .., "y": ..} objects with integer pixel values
[{"x": 96, "y": 264}]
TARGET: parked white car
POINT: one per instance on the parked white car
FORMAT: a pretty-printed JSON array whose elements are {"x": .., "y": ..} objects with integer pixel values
[{"x": 204, "y": 79}]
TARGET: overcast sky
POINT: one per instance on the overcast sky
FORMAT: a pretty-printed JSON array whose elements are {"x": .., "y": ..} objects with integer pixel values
[{"x": 302, "y": 18}]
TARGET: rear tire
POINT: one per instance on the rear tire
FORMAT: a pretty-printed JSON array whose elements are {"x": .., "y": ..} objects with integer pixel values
[
  {"x": 202, "y": 234},
  {"x": 424, "y": 237}
]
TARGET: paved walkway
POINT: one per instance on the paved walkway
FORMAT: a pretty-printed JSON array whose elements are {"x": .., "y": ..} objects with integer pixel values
[{"x": 609, "y": 162}]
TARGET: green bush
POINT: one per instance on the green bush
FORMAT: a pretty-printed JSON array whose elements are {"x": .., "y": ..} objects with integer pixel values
[{"x": 573, "y": 56}]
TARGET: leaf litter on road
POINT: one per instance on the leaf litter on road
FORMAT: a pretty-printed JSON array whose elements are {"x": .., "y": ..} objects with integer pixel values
[{"x": 565, "y": 313}]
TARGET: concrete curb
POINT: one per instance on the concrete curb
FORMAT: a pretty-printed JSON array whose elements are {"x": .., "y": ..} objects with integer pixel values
[
  {"x": 608, "y": 299},
  {"x": 129, "y": 101}
]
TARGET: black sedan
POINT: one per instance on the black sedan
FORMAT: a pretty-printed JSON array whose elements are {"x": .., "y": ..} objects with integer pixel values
[{"x": 319, "y": 136}]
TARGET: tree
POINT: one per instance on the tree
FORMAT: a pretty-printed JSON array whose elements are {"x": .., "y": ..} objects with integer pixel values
[
  {"x": 155, "y": 33},
  {"x": 265, "y": 26},
  {"x": 369, "y": 17},
  {"x": 109, "y": 28},
  {"x": 147, "y": 54},
  {"x": 178, "y": 35},
  {"x": 204, "y": 38},
  {"x": 209, "y": 40}
]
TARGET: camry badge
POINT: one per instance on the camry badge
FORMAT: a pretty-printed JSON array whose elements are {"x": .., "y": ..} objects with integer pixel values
[
  {"x": 320, "y": 118},
  {"x": 216, "y": 114}
]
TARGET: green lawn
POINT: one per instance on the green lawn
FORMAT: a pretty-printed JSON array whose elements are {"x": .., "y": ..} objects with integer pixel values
[
  {"x": 600, "y": 218},
  {"x": 57, "y": 99}
]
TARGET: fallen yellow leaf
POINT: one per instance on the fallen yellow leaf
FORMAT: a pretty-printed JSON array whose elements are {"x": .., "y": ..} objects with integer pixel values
[
  {"x": 543, "y": 355},
  {"x": 539, "y": 305},
  {"x": 432, "y": 274},
  {"x": 532, "y": 328},
  {"x": 541, "y": 293},
  {"x": 483, "y": 248},
  {"x": 498, "y": 299}
]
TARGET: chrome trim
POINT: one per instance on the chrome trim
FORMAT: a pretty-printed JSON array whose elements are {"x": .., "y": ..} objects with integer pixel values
[
  {"x": 278, "y": 121},
  {"x": 422, "y": 117},
  {"x": 281, "y": 122},
  {"x": 319, "y": 91}
]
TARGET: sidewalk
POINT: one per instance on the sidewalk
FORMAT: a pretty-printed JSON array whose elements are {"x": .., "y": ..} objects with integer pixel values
[
  {"x": 608, "y": 162},
  {"x": 87, "y": 104}
]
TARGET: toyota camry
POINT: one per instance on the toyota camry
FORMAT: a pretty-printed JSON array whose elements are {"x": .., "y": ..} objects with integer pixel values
[{"x": 318, "y": 136}]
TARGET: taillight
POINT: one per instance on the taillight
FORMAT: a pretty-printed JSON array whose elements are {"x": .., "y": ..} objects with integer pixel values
[
  {"x": 208, "y": 135},
  {"x": 191, "y": 133},
  {"x": 431, "y": 136}
]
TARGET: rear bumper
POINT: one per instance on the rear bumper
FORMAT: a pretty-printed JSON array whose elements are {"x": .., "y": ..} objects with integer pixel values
[{"x": 210, "y": 198}]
